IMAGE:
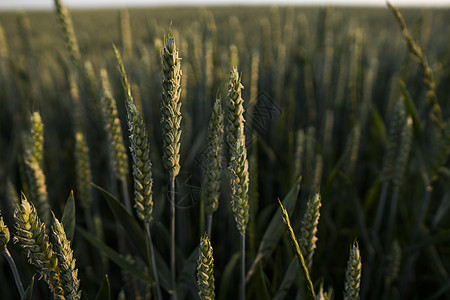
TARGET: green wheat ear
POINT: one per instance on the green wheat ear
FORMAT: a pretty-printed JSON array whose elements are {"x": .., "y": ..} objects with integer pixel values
[
  {"x": 37, "y": 138},
  {"x": 239, "y": 184},
  {"x": 4, "y": 234},
  {"x": 68, "y": 32},
  {"x": 140, "y": 151},
  {"x": 83, "y": 171},
  {"x": 205, "y": 269},
  {"x": 235, "y": 114},
  {"x": 171, "y": 106},
  {"x": 211, "y": 183},
  {"x": 308, "y": 230},
  {"x": 66, "y": 262},
  {"x": 353, "y": 274},
  {"x": 34, "y": 241},
  {"x": 113, "y": 129}
]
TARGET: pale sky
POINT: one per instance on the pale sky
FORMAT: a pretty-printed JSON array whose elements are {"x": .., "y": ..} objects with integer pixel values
[{"x": 48, "y": 4}]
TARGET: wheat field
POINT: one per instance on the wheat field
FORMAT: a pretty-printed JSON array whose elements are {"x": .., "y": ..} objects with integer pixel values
[{"x": 225, "y": 152}]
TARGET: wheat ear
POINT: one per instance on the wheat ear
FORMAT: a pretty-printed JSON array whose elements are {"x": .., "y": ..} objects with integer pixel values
[
  {"x": 35, "y": 242},
  {"x": 211, "y": 182},
  {"x": 308, "y": 230},
  {"x": 205, "y": 269},
  {"x": 113, "y": 129},
  {"x": 235, "y": 109},
  {"x": 66, "y": 262},
  {"x": 140, "y": 151},
  {"x": 353, "y": 274},
  {"x": 142, "y": 166}
]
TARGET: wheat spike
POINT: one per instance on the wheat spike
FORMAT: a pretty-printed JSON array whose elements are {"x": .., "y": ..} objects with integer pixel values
[
  {"x": 35, "y": 242},
  {"x": 239, "y": 184},
  {"x": 353, "y": 274},
  {"x": 4, "y": 234},
  {"x": 140, "y": 151},
  {"x": 66, "y": 262},
  {"x": 235, "y": 114},
  {"x": 211, "y": 183},
  {"x": 83, "y": 171},
  {"x": 38, "y": 188},
  {"x": 205, "y": 269},
  {"x": 171, "y": 106},
  {"x": 69, "y": 34},
  {"x": 113, "y": 129},
  {"x": 308, "y": 230}
]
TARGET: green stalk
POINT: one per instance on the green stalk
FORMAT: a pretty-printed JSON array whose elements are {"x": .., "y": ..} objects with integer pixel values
[
  {"x": 242, "y": 288},
  {"x": 4, "y": 239},
  {"x": 153, "y": 261},
  {"x": 13, "y": 267},
  {"x": 172, "y": 237}
]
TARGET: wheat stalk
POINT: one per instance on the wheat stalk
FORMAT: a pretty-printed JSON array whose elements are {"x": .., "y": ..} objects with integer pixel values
[
  {"x": 4, "y": 240},
  {"x": 170, "y": 123}
]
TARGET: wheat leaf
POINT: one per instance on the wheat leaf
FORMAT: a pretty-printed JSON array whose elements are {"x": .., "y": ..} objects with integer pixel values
[
  {"x": 68, "y": 217},
  {"x": 275, "y": 229},
  {"x": 104, "y": 291}
]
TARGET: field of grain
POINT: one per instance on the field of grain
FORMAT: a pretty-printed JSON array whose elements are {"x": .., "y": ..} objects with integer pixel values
[{"x": 225, "y": 152}]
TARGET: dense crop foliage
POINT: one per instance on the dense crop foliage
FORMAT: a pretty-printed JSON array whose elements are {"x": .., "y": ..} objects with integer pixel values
[{"x": 178, "y": 129}]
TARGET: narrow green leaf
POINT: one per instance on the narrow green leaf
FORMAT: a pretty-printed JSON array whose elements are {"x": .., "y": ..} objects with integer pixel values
[
  {"x": 411, "y": 110},
  {"x": 114, "y": 256},
  {"x": 185, "y": 279},
  {"x": 28, "y": 295},
  {"x": 289, "y": 278},
  {"x": 275, "y": 229},
  {"x": 104, "y": 291},
  {"x": 68, "y": 217},
  {"x": 227, "y": 273},
  {"x": 378, "y": 128},
  {"x": 134, "y": 232}
]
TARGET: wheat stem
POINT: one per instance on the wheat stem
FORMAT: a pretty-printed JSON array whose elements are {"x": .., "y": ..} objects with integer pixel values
[
  {"x": 242, "y": 287},
  {"x": 153, "y": 261},
  {"x": 4, "y": 239},
  {"x": 172, "y": 237}
]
